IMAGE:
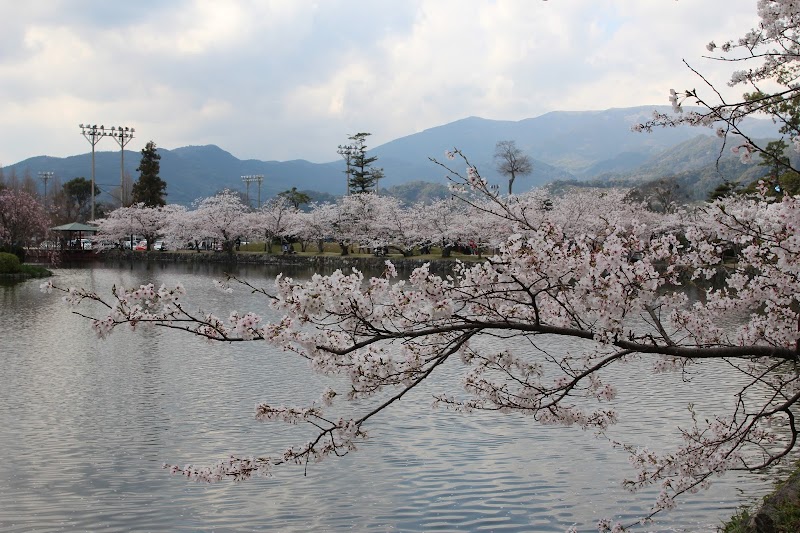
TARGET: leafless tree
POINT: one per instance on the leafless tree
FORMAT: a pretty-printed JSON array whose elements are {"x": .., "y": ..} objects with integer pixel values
[{"x": 511, "y": 161}]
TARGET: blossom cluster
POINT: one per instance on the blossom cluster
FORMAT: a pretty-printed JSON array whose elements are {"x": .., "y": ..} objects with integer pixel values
[{"x": 21, "y": 217}]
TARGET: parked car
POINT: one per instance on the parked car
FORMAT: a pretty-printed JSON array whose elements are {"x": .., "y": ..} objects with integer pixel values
[
  {"x": 140, "y": 246},
  {"x": 83, "y": 244},
  {"x": 160, "y": 246},
  {"x": 131, "y": 241}
]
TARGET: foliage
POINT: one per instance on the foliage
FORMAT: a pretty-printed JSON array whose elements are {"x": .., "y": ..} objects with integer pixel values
[
  {"x": 35, "y": 271},
  {"x": 778, "y": 512},
  {"x": 418, "y": 192},
  {"x": 726, "y": 188},
  {"x": 738, "y": 522},
  {"x": 774, "y": 157},
  {"x": 511, "y": 161},
  {"x": 77, "y": 199},
  {"x": 787, "y": 183},
  {"x": 14, "y": 249},
  {"x": 361, "y": 176},
  {"x": 149, "y": 189},
  {"x": 295, "y": 197},
  {"x": 9, "y": 263}
]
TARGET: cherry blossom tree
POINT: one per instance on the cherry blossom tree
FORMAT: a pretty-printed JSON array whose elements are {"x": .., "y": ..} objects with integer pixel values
[
  {"x": 22, "y": 217},
  {"x": 443, "y": 223},
  {"x": 314, "y": 225},
  {"x": 151, "y": 223},
  {"x": 361, "y": 221},
  {"x": 276, "y": 218},
  {"x": 221, "y": 217},
  {"x": 404, "y": 225},
  {"x": 379, "y": 222}
]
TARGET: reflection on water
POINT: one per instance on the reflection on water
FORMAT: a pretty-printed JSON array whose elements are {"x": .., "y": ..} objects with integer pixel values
[{"x": 86, "y": 424}]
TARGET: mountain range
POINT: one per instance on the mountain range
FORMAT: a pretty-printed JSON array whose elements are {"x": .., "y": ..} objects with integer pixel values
[{"x": 580, "y": 146}]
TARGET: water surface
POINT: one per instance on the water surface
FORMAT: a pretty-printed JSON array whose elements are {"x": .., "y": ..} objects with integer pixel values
[{"x": 85, "y": 425}]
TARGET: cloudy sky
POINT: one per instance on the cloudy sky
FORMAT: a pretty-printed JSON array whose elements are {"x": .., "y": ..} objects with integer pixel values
[{"x": 291, "y": 79}]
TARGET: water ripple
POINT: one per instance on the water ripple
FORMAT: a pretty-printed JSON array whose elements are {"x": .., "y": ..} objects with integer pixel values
[{"x": 86, "y": 424}]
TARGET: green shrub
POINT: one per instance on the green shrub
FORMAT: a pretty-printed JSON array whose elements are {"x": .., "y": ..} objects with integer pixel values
[
  {"x": 9, "y": 263},
  {"x": 17, "y": 250}
]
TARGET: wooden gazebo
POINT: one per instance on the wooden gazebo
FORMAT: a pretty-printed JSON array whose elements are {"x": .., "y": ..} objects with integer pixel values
[
  {"x": 69, "y": 247},
  {"x": 73, "y": 232}
]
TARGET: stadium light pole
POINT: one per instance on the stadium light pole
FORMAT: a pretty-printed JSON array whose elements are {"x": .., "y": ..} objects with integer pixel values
[
  {"x": 250, "y": 179},
  {"x": 123, "y": 135},
  {"x": 45, "y": 176},
  {"x": 93, "y": 134}
]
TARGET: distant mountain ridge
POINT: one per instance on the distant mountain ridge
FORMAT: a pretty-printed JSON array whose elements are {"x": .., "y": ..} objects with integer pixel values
[{"x": 574, "y": 145}]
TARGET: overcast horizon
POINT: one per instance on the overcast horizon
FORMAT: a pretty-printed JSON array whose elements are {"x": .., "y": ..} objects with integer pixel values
[{"x": 285, "y": 80}]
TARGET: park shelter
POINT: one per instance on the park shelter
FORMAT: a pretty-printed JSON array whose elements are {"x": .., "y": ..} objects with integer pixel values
[{"x": 68, "y": 231}]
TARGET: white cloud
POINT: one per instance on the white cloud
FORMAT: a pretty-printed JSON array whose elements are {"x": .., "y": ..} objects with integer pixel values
[{"x": 285, "y": 79}]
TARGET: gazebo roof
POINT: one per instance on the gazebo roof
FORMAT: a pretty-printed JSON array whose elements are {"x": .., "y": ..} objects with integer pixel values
[{"x": 75, "y": 226}]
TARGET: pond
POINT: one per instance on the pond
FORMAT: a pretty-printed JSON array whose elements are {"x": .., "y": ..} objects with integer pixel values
[{"x": 86, "y": 424}]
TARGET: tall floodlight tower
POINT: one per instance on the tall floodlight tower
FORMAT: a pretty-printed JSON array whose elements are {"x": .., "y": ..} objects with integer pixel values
[
  {"x": 258, "y": 178},
  {"x": 123, "y": 136},
  {"x": 93, "y": 134},
  {"x": 45, "y": 177}
]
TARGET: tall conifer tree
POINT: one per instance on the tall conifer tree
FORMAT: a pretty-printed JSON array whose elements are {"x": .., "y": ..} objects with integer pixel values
[
  {"x": 362, "y": 177},
  {"x": 150, "y": 189}
]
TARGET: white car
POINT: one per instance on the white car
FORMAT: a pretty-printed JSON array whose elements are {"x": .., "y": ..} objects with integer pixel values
[{"x": 160, "y": 246}]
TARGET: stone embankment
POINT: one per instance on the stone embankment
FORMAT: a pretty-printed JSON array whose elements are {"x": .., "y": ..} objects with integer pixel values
[{"x": 780, "y": 511}]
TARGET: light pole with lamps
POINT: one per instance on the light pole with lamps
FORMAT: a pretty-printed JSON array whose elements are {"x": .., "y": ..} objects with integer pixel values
[
  {"x": 123, "y": 136},
  {"x": 45, "y": 176},
  {"x": 93, "y": 134},
  {"x": 250, "y": 179}
]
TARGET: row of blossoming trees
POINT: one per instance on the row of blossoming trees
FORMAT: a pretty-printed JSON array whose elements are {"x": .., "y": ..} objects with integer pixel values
[
  {"x": 368, "y": 220},
  {"x": 605, "y": 273}
]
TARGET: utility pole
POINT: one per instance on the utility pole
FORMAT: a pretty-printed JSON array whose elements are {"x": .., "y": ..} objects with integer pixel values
[
  {"x": 45, "y": 176},
  {"x": 347, "y": 151},
  {"x": 250, "y": 179},
  {"x": 123, "y": 136},
  {"x": 93, "y": 134}
]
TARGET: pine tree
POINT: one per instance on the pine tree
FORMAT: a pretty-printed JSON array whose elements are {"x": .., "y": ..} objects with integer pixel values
[
  {"x": 150, "y": 189},
  {"x": 295, "y": 197},
  {"x": 361, "y": 176}
]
